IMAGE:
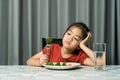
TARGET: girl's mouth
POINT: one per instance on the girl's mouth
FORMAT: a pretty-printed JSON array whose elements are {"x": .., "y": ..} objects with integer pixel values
[{"x": 68, "y": 42}]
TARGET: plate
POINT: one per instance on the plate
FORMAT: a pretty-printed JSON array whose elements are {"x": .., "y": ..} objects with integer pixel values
[{"x": 69, "y": 65}]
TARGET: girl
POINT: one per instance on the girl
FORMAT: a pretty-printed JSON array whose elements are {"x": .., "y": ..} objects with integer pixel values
[{"x": 73, "y": 49}]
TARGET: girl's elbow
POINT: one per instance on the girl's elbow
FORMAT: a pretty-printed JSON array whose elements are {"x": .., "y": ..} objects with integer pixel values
[
  {"x": 100, "y": 63},
  {"x": 28, "y": 62}
]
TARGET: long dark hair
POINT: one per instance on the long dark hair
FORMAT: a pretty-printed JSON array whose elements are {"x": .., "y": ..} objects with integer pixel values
[
  {"x": 84, "y": 29},
  {"x": 80, "y": 25}
]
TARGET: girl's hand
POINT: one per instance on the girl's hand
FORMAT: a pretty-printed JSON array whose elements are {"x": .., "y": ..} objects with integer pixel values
[
  {"x": 86, "y": 40},
  {"x": 44, "y": 58}
]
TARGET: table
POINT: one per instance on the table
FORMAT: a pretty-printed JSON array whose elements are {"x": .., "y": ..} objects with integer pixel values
[{"x": 24, "y": 72}]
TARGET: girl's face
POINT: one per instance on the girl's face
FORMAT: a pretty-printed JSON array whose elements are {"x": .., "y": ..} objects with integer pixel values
[{"x": 72, "y": 38}]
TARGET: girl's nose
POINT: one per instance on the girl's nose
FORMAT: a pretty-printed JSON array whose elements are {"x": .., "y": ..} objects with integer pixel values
[{"x": 71, "y": 38}]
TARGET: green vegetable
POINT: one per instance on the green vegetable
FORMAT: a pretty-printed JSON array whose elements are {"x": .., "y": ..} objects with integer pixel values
[
  {"x": 50, "y": 63},
  {"x": 63, "y": 64},
  {"x": 57, "y": 64},
  {"x": 48, "y": 39}
]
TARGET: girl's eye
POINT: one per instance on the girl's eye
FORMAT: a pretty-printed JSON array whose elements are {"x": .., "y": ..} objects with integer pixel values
[
  {"x": 76, "y": 39},
  {"x": 68, "y": 33}
]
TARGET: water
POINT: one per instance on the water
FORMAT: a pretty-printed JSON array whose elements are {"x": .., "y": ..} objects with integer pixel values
[{"x": 101, "y": 56}]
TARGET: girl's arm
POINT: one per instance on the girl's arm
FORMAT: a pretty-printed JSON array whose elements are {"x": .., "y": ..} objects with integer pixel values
[
  {"x": 89, "y": 52},
  {"x": 38, "y": 59},
  {"x": 89, "y": 61},
  {"x": 34, "y": 60}
]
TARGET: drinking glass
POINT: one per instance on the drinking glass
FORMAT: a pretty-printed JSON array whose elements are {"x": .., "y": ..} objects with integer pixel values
[{"x": 99, "y": 56}]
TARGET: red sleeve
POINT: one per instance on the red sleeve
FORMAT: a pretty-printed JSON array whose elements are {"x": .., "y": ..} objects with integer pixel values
[
  {"x": 83, "y": 56},
  {"x": 44, "y": 50}
]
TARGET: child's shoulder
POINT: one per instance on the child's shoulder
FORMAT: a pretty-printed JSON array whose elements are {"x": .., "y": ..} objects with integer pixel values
[{"x": 55, "y": 45}]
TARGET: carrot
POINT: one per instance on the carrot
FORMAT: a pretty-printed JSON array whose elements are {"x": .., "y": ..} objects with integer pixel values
[{"x": 69, "y": 65}]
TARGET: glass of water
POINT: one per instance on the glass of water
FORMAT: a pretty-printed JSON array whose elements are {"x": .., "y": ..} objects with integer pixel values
[{"x": 99, "y": 56}]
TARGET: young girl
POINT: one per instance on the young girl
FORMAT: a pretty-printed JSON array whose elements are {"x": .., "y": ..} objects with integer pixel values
[{"x": 73, "y": 49}]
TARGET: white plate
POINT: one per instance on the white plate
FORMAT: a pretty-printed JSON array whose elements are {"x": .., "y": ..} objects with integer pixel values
[{"x": 69, "y": 65}]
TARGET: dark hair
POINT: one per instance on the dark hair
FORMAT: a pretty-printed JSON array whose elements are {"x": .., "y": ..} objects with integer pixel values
[
  {"x": 80, "y": 25},
  {"x": 84, "y": 29}
]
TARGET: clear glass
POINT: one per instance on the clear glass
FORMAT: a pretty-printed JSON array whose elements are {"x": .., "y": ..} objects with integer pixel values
[{"x": 99, "y": 56}]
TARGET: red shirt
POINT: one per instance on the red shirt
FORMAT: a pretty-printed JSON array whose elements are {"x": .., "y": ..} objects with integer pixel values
[{"x": 54, "y": 54}]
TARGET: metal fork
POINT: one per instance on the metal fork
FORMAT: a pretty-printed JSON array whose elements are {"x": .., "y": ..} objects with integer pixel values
[{"x": 47, "y": 48}]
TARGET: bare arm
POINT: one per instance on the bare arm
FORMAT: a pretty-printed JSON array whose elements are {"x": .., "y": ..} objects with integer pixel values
[
  {"x": 87, "y": 50},
  {"x": 90, "y": 61},
  {"x": 38, "y": 59}
]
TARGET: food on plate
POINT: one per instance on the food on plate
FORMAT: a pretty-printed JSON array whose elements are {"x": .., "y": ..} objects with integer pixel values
[
  {"x": 69, "y": 64},
  {"x": 61, "y": 65},
  {"x": 64, "y": 64},
  {"x": 50, "y": 63},
  {"x": 56, "y": 63}
]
